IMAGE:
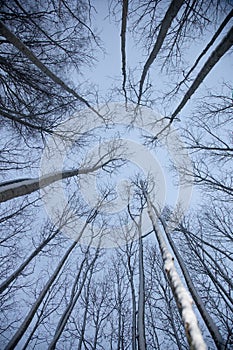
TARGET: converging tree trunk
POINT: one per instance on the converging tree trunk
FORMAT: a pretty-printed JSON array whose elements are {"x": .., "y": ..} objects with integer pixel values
[
  {"x": 75, "y": 294},
  {"x": 213, "y": 329},
  {"x": 90, "y": 126},
  {"x": 183, "y": 300},
  {"x": 18, "y": 188},
  {"x": 22, "y": 329}
]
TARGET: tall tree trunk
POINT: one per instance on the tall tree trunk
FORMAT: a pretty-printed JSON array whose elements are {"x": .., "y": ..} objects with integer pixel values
[
  {"x": 18, "y": 188},
  {"x": 29, "y": 54},
  {"x": 19, "y": 334},
  {"x": 19, "y": 270},
  {"x": 75, "y": 294},
  {"x": 219, "y": 286},
  {"x": 119, "y": 310},
  {"x": 165, "y": 25},
  {"x": 216, "y": 55},
  {"x": 208, "y": 46},
  {"x": 133, "y": 296},
  {"x": 37, "y": 323},
  {"x": 125, "y": 5},
  {"x": 213, "y": 329},
  {"x": 81, "y": 338},
  {"x": 141, "y": 298},
  {"x": 182, "y": 298}
]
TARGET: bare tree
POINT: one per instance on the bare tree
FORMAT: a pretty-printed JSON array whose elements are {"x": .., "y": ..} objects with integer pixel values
[
  {"x": 14, "y": 341},
  {"x": 58, "y": 293},
  {"x": 22, "y": 187},
  {"x": 181, "y": 296},
  {"x": 75, "y": 293}
]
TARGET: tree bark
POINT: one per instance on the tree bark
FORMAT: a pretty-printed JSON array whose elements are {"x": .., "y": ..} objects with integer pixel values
[
  {"x": 166, "y": 23},
  {"x": 213, "y": 329},
  {"x": 141, "y": 298},
  {"x": 123, "y": 44},
  {"x": 182, "y": 298},
  {"x": 216, "y": 55},
  {"x": 133, "y": 295},
  {"x": 29, "y": 54},
  {"x": 211, "y": 42},
  {"x": 73, "y": 300},
  {"x": 23, "y": 187},
  {"x": 19, "y": 334},
  {"x": 19, "y": 270}
]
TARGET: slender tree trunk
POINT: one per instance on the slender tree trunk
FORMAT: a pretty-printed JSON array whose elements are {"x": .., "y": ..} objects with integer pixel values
[
  {"x": 172, "y": 320},
  {"x": 165, "y": 25},
  {"x": 36, "y": 325},
  {"x": 202, "y": 241},
  {"x": 75, "y": 294},
  {"x": 218, "y": 285},
  {"x": 182, "y": 298},
  {"x": 19, "y": 334},
  {"x": 81, "y": 339},
  {"x": 216, "y": 266},
  {"x": 213, "y": 329},
  {"x": 96, "y": 331},
  {"x": 141, "y": 298},
  {"x": 153, "y": 332},
  {"x": 125, "y": 4},
  {"x": 133, "y": 295},
  {"x": 16, "y": 273},
  {"x": 29, "y": 54},
  {"x": 213, "y": 39},
  {"x": 23, "y": 187},
  {"x": 25, "y": 347},
  {"x": 119, "y": 333},
  {"x": 216, "y": 55}
]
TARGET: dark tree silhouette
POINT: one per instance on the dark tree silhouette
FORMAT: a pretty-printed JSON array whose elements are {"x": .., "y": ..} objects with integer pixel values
[{"x": 94, "y": 276}]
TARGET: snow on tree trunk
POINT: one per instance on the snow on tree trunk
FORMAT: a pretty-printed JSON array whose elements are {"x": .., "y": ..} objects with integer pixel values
[
  {"x": 23, "y": 187},
  {"x": 183, "y": 299},
  {"x": 219, "y": 342}
]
